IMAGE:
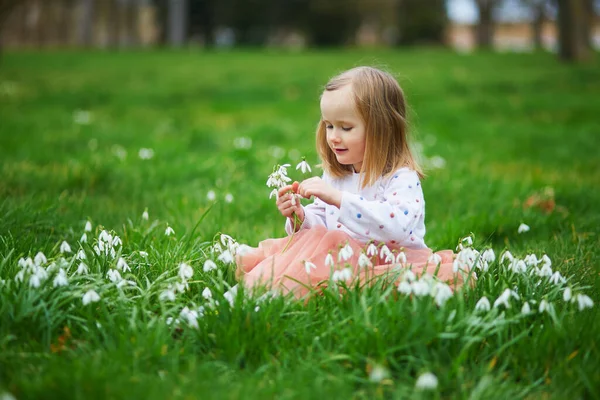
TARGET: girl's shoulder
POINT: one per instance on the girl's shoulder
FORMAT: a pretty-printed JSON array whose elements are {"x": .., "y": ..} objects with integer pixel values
[{"x": 402, "y": 174}]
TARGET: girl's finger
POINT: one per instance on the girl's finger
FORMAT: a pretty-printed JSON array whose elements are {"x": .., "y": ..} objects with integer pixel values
[{"x": 284, "y": 190}]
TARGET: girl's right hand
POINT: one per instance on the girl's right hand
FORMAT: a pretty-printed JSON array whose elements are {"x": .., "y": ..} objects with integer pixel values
[{"x": 287, "y": 207}]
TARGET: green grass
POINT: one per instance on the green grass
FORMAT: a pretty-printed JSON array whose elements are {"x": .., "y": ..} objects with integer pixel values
[{"x": 508, "y": 126}]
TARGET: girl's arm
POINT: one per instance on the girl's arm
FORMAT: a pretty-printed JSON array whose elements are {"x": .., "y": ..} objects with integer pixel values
[
  {"x": 314, "y": 214},
  {"x": 394, "y": 217}
]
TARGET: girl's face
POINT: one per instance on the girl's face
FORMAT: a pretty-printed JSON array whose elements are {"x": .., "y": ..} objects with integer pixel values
[{"x": 345, "y": 128}]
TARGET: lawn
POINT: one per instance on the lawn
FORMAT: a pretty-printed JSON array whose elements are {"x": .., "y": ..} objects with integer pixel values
[{"x": 191, "y": 136}]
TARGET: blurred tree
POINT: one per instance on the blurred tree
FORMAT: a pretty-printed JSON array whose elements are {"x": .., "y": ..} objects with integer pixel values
[
  {"x": 538, "y": 17},
  {"x": 422, "y": 24},
  {"x": 177, "y": 22},
  {"x": 484, "y": 29},
  {"x": 333, "y": 22},
  {"x": 573, "y": 30},
  {"x": 6, "y": 8}
]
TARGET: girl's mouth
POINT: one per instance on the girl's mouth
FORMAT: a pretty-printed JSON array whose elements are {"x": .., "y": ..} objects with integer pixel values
[{"x": 340, "y": 151}]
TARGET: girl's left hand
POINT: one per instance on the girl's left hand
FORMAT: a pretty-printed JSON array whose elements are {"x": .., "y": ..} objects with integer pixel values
[{"x": 315, "y": 186}]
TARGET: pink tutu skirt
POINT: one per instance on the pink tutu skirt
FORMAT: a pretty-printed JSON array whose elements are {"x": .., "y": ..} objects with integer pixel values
[{"x": 272, "y": 267}]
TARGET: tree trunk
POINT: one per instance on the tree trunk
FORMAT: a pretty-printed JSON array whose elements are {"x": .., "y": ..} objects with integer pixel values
[
  {"x": 537, "y": 24},
  {"x": 177, "y": 27},
  {"x": 485, "y": 28},
  {"x": 573, "y": 43},
  {"x": 86, "y": 22}
]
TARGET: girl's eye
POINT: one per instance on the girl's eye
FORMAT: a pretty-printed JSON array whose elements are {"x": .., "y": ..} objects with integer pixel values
[
  {"x": 329, "y": 126},
  {"x": 347, "y": 129}
]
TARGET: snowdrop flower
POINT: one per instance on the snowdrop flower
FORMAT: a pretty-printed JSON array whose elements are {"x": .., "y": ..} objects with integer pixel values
[
  {"x": 557, "y": 278},
  {"x": 342, "y": 275},
  {"x": 409, "y": 276},
  {"x": 517, "y": 266},
  {"x": 230, "y": 295},
  {"x": 122, "y": 265},
  {"x": 191, "y": 316},
  {"x": 488, "y": 256},
  {"x": 584, "y": 302},
  {"x": 64, "y": 247},
  {"x": 531, "y": 260},
  {"x": 345, "y": 253},
  {"x": 145, "y": 215},
  {"x": 545, "y": 306},
  {"x": 206, "y": 293},
  {"x": 211, "y": 196},
  {"x": 523, "y": 228},
  {"x": 81, "y": 255},
  {"x": 372, "y": 250},
  {"x": 90, "y": 297},
  {"x": 503, "y": 299},
  {"x": 420, "y": 287},
  {"x": 88, "y": 227},
  {"x": 116, "y": 241},
  {"x": 143, "y": 254},
  {"x": 567, "y": 294},
  {"x": 303, "y": 166},
  {"x": 146, "y": 154},
  {"x": 169, "y": 231},
  {"x": 426, "y": 381},
  {"x": 26, "y": 263},
  {"x": 405, "y": 288},
  {"x": 441, "y": 293},
  {"x": 40, "y": 259},
  {"x": 363, "y": 261},
  {"x": 545, "y": 270},
  {"x": 506, "y": 256},
  {"x": 389, "y": 258},
  {"x": 225, "y": 257},
  {"x": 35, "y": 281},
  {"x": 384, "y": 251},
  {"x": 468, "y": 241},
  {"x": 20, "y": 276},
  {"x": 105, "y": 236},
  {"x": 83, "y": 238},
  {"x": 329, "y": 261},
  {"x": 378, "y": 373},
  {"x": 275, "y": 193},
  {"x": 435, "y": 259},
  {"x": 308, "y": 265},
  {"x": 401, "y": 258},
  {"x": 60, "y": 279},
  {"x": 228, "y": 198},
  {"x": 185, "y": 271},
  {"x": 526, "y": 309},
  {"x": 114, "y": 275},
  {"x": 82, "y": 269},
  {"x": 546, "y": 262},
  {"x": 483, "y": 304},
  {"x": 243, "y": 249},
  {"x": 209, "y": 265},
  {"x": 168, "y": 294}
]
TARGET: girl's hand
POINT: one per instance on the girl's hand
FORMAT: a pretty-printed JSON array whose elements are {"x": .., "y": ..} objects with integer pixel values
[
  {"x": 315, "y": 186},
  {"x": 287, "y": 207}
]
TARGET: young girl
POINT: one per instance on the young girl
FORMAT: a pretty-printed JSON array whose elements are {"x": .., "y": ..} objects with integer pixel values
[{"x": 368, "y": 200}]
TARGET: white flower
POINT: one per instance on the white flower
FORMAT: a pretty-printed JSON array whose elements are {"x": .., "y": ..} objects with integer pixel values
[
  {"x": 426, "y": 381},
  {"x": 545, "y": 306},
  {"x": 409, "y": 276},
  {"x": 82, "y": 117},
  {"x": 146, "y": 154},
  {"x": 405, "y": 288},
  {"x": 275, "y": 193},
  {"x": 143, "y": 254},
  {"x": 168, "y": 294},
  {"x": 363, "y": 261},
  {"x": 525, "y": 309},
  {"x": 503, "y": 299},
  {"x": 26, "y": 263},
  {"x": 40, "y": 259},
  {"x": 545, "y": 270},
  {"x": 185, "y": 271},
  {"x": 20, "y": 276},
  {"x": 384, "y": 251},
  {"x": 308, "y": 265},
  {"x": 488, "y": 255},
  {"x": 435, "y": 259},
  {"x": 584, "y": 302},
  {"x": 389, "y": 258},
  {"x": 483, "y": 304},
  {"x": 506, "y": 256},
  {"x": 191, "y": 316},
  {"x": 122, "y": 265},
  {"x": 401, "y": 258},
  {"x": 557, "y": 278},
  {"x": 82, "y": 269},
  {"x": 114, "y": 275},
  {"x": 303, "y": 166},
  {"x": 468, "y": 241},
  {"x": 116, "y": 241},
  {"x": 567, "y": 294},
  {"x": 88, "y": 227},
  {"x": 329, "y": 261},
  {"x": 81, "y": 255},
  {"x": 83, "y": 238},
  {"x": 342, "y": 275},
  {"x": 230, "y": 295},
  {"x": 145, "y": 215},
  {"x": 345, "y": 253},
  {"x": 531, "y": 260},
  {"x": 546, "y": 261},
  {"x": 371, "y": 250},
  {"x": 209, "y": 265},
  {"x": 105, "y": 236},
  {"x": 90, "y": 297},
  {"x": 225, "y": 257},
  {"x": 61, "y": 278},
  {"x": 378, "y": 373},
  {"x": 228, "y": 198},
  {"x": 420, "y": 287},
  {"x": 206, "y": 293},
  {"x": 211, "y": 196},
  {"x": 64, "y": 247},
  {"x": 35, "y": 281},
  {"x": 169, "y": 231},
  {"x": 441, "y": 293},
  {"x": 517, "y": 266},
  {"x": 523, "y": 228}
]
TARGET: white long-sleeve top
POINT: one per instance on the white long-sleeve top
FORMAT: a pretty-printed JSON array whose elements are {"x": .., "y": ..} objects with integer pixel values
[{"x": 392, "y": 210}]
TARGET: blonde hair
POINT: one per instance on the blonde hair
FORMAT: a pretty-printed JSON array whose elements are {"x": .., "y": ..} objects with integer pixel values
[{"x": 380, "y": 103}]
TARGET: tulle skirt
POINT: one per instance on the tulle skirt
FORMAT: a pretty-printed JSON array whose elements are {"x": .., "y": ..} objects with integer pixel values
[{"x": 301, "y": 265}]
